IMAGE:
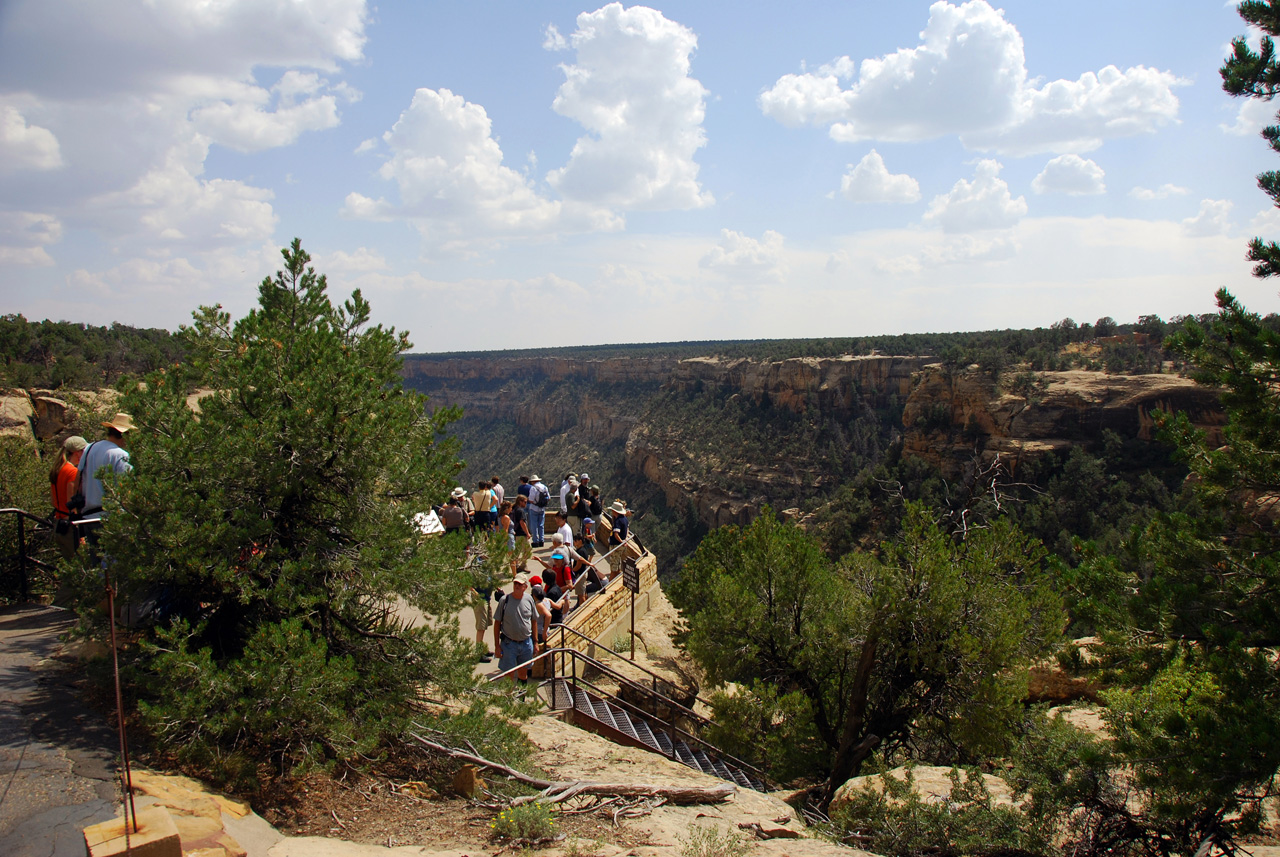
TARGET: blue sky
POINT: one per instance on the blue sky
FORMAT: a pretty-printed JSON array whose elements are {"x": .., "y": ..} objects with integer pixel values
[{"x": 507, "y": 174}]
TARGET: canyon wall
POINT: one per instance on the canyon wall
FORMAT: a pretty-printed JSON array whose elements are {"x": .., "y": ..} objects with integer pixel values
[{"x": 948, "y": 414}]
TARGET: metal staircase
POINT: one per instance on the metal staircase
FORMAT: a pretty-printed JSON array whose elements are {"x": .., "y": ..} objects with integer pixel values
[
  {"x": 650, "y": 720},
  {"x": 626, "y": 724}
]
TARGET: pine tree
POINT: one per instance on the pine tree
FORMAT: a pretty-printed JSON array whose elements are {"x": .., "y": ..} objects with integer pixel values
[
  {"x": 1257, "y": 75},
  {"x": 273, "y": 528}
]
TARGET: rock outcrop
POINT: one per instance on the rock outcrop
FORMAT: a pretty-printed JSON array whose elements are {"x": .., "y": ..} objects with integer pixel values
[
  {"x": 492, "y": 388},
  {"x": 949, "y": 414}
]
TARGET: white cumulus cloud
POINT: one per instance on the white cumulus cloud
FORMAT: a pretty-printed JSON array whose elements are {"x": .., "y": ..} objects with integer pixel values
[
  {"x": 242, "y": 121},
  {"x": 1163, "y": 192},
  {"x": 1072, "y": 175},
  {"x": 631, "y": 89},
  {"x": 174, "y": 206},
  {"x": 984, "y": 203},
  {"x": 1210, "y": 220},
  {"x": 742, "y": 257},
  {"x": 24, "y": 146},
  {"x": 24, "y": 236},
  {"x": 452, "y": 182},
  {"x": 968, "y": 76},
  {"x": 360, "y": 261},
  {"x": 1253, "y": 115},
  {"x": 871, "y": 181},
  {"x": 127, "y": 99}
]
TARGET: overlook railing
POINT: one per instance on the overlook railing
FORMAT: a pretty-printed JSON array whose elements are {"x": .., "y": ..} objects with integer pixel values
[{"x": 27, "y": 567}]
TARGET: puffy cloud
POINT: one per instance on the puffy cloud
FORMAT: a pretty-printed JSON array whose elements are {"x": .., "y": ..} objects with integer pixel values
[
  {"x": 630, "y": 88},
  {"x": 1163, "y": 192},
  {"x": 64, "y": 49},
  {"x": 1072, "y": 175},
  {"x": 129, "y": 98},
  {"x": 1266, "y": 222},
  {"x": 984, "y": 203},
  {"x": 452, "y": 183},
  {"x": 871, "y": 181},
  {"x": 23, "y": 146},
  {"x": 1254, "y": 115},
  {"x": 1210, "y": 220},
  {"x": 742, "y": 257},
  {"x": 969, "y": 77},
  {"x": 175, "y": 207},
  {"x": 553, "y": 41},
  {"x": 24, "y": 236},
  {"x": 363, "y": 259},
  {"x": 242, "y": 122}
]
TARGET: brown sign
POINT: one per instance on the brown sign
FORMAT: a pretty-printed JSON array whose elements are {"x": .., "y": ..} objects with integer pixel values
[{"x": 631, "y": 574}]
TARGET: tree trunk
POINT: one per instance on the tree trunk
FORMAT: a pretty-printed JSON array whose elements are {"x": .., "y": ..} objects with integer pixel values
[{"x": 854, "y": 747}]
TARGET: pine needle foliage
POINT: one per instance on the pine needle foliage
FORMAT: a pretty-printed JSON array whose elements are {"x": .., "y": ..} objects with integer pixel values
[{"x": 273, "y": 532}]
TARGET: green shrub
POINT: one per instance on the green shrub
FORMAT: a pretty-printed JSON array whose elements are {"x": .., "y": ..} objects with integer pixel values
[
  {"x": 898, "y": 822},
  {"x": 528, "y": 822}
]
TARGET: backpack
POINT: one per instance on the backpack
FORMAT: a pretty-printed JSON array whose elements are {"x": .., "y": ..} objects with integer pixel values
[{"x": 544, "y": 496}]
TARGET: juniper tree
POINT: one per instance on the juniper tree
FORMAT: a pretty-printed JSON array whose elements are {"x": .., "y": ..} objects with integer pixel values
[
  {"x": 274, "y": 529},
  {"x": 915, "y": 649}
]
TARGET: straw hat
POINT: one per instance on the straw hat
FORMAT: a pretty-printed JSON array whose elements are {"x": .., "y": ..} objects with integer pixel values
[
  {"x": 121, "y": 423},
  {"x": 459, "y": 493},
  {"x": 617, "y": 508}
]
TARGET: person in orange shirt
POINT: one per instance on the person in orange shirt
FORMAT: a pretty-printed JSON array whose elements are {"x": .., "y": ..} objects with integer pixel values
[{"x": 62, "y": 477}]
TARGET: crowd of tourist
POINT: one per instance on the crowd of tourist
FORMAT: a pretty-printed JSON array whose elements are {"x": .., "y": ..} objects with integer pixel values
[{"x": 564, "y": 575}]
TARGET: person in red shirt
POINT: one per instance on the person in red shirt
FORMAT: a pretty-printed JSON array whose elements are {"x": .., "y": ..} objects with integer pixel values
[{"x": 62, "y": 477}]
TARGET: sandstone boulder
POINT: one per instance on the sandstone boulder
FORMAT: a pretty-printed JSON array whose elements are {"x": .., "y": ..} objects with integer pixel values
[
  {"x": 16, "y": 416},
  {"x": 932, "y": 782},
  {"x": 53, "y": 416}
]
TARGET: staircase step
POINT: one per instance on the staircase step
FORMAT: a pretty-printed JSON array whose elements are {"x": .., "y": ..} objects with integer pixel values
[
  {"x": 609, "y": 715},
  {"x": 645, "y": 734},
  {"x": 664, "y": 742},
  {"x": 682, "y": 753},
  {"x": 721, "y": 769},
  {"x": 704, "y": 764},
  {"x": 624, "y": 721}
]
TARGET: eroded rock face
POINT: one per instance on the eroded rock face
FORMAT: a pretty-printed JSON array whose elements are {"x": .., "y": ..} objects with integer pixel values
[
  {"x": 53, "y": 415},
  {"x": 950, "y": 413},
  {"x": 16, "y": 415},
  {"x": 831, "y": 384},
  {"x": 834, "y": 384}
]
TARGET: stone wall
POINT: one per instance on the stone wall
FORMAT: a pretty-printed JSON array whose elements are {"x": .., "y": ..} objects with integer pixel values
[{"x": 609, "y": 612}]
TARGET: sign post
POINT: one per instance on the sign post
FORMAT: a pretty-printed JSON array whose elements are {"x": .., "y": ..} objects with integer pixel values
[{"x": 631, "y": 580}]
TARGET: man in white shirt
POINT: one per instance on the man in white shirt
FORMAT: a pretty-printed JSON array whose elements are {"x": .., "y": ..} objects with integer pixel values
[{"x": 109, "y": 454}]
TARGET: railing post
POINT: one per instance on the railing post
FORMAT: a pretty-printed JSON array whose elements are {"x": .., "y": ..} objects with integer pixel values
[{"x": 22, "y": 558}]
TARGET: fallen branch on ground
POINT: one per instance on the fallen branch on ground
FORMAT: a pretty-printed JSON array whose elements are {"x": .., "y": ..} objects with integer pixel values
[{"x": 554, "y": 792}]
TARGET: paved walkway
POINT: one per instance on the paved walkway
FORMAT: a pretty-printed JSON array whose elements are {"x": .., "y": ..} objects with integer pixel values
[{"x": 57, "y": 771}]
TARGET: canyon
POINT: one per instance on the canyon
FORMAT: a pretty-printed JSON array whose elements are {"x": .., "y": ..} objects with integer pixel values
[{"x": 947, "y": 415}]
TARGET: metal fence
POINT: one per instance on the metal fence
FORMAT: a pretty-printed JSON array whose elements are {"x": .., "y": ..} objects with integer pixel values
[{"x": 28, "y": 567}]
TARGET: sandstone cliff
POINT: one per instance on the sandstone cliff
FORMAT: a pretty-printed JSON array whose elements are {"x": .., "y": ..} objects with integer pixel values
[
  {"x": 651, "y": 411},
  {"x": 949, "y": 413}
]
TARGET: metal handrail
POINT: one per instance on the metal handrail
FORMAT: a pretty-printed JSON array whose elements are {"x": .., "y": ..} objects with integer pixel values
[
  {"x": 563, "y": 627},
  {"x": 671, "y": 728},
  {"x": 24, "y": 560}
]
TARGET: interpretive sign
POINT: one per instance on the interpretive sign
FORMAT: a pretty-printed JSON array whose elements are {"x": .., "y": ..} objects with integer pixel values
[{"x": 631, "y": 574}]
